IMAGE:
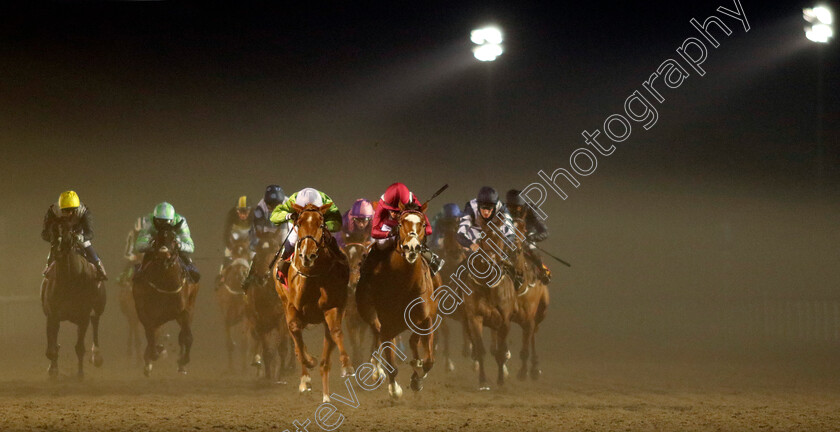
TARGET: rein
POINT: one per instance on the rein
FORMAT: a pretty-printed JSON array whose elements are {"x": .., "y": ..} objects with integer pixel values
[{"x": 319, "y": 243}]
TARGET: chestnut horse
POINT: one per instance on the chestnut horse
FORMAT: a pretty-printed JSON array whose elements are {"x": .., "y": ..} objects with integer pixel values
[
  {"x": 396, "y": 289},
  {"x": 316, "y": 293},
  {"x": 490, "y": 303},
  {"x": 231, "y": 298},
  {"x": 532, "y": 302},
  {"x": 71, "y": 292},
  {"x": 356, "y": 251},
  {"x": 264, "y": 314},
  {"x": 164, "y": 292}
]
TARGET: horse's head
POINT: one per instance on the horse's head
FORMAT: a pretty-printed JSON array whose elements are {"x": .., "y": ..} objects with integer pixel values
[
  {"x": 241, "y": 248},
  {"x": 165, "y": 240},
  {"x": 412, "y": 230},
  {"x": 356, "y": 254},
  {"x": 311, "y": 232},
  {"x": 68, "y": 239}
]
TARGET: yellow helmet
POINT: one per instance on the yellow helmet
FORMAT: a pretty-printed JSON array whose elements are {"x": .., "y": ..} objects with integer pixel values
[
  {"x": 243, "y": 202},
  {"x": 68, "y": 199}
]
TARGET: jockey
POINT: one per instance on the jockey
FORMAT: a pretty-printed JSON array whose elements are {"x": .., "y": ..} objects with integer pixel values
[
  {"x": 164, "y": 214},
  {"x": 356, "y": 224},
  {"x": 132, "y": 256},
  {"x": 387, "y": 217},
  {"x": 448, "y": 218},
  {"x": 536, "y": 230},
  {"x": 285, "y": 213},
  {"x": 70, "y": 210},
  {"x": 486, "y": 206},
  {"x": 261, "y": 224},
  {"x": 237, "y": 226}
]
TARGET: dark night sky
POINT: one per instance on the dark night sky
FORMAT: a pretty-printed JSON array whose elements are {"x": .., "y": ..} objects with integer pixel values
[{"x": 131, "y": 103}]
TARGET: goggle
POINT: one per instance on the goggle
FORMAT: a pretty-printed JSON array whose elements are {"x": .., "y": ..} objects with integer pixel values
[
  {"x": 486, "y": 206},
  {"x": 362, "y": 218}
]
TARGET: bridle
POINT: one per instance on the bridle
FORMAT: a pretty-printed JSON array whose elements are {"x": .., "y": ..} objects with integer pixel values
[
  {"x": 411, "y": 234},
  {"x": 319, "y": 243}
]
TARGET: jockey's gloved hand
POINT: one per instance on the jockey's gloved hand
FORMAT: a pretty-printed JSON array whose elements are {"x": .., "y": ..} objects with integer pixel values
[
  {"x": 291, "y": 216},
  {"x": 80, "y": 239}
]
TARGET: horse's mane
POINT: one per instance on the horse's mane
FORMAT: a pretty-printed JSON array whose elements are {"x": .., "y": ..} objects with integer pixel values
[{"x": 412, "y": 206}]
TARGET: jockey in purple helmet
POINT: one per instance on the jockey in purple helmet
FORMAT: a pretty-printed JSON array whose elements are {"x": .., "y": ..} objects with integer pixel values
[{"x": 356, "y": 226}]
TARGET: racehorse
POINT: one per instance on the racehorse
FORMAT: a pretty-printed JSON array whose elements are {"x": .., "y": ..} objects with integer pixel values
[
  {"x": 390, "y": 285},
  {"x": 163, "y": 291},
  {"x": 453, "y": 256},
  {"x": 316, "y": 293},
  {"x": 230, "y": 296},
  {"x": 356, "y": 251},
  {"x": 71, "y": 292},
  {"x": 532, "y": 302},
  {"x": 133, "y": 343},
  {"x": 264, "y": 314},
  {"x": 491, "y": 302}
]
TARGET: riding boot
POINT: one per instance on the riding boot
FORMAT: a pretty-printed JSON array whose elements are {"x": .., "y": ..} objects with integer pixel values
[
  {"x": 191, "y": 269},
  {"x": 49, "y": 262},
  {"x": 543, "y": 273},
  {"x": 434, "y": 260},
  {"x": 518, "y": 278},
  {"x": 248, "y": 279},
  {"x": 100, "y": 271},
  {"x": 283, "y": 268}
]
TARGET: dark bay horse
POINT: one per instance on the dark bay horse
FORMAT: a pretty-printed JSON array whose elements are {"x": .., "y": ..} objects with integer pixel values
[
  {"x": 164, "y": 292},
  {"x": 316, "y": 293},
  {"x": 231, "y": 298},
  {"x": 532, "y": 303},
  {"x": 71, "y": 292},
  {"x": 491, "y": 302},
  {"x": 134, "y": 342},
  {"x": 398, "y": 279},
  {"x": 356, "y": 250},
  {"x": 264, "y": 315},
  {"x": 453, "y": 255}
]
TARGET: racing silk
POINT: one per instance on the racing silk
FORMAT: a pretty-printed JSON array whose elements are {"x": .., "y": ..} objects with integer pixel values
[
  {"x": 262, "y": 227},
  {"x": 440, "y": 223},
  {"x": 383, "y": 224},
  {"x": 131, "y": 239},
  {"x": 332, "y": 219},
  {"x": 468, "y": 230},
  {"x": 148, "y": 231},
  {"x": 537, "y": 231},
  {"x": 80, "y": 222},
  {"x": 236, "y": 228}
]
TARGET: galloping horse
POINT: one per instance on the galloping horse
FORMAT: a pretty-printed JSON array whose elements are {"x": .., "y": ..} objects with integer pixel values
[
  {"x": 390, "y": 286},
  {"x": 230, "y": 296},
  {"x": 264, "y": 312},
  {"x": 71, "y": 292},
  {"x": 356, "y": 251},
  {"x": 162, "y": 292},
  {"x": 130, "y": 311},
  {"x": 491, "y": 302},
  {"x": 453, "y": 256},
  {"x": 532, "y": 302},
  {"x": 316, "y": 293}
]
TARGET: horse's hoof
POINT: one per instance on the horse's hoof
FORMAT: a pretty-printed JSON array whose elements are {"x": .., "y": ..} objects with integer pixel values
[
  {"x": 395, "y": 391},
  {"x": 147, "y": 370},
  {"x": 450, "y": 366},
  {"x": 305, "y": 384},
  {"x": 97, "y": 359},
  {"x": 325, "y": 399},
  {"x": 483, "y": 387},
  {"x": 348, "y": 371},
  {"x": 281, "y": 382},
  {"x": 182, "y": 370},
  {"x": 522, "y": 375},
  {"x": 52, "y": 371},
  {"x": 535, "y": 373},
  {"x": 416, "y": 383}
]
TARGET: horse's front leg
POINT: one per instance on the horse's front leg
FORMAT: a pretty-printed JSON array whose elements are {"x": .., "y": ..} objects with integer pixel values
[
  {"x": 394, "y": 389},
  {"x": 306, "y": 361},
  {"x": 475, "y": 330},
  {"x": 185, "y": 341},
  {"x": 53, "y": 325},
  {"x": 81, "y": 331},
  {"x": 95, "y": 355},
  {"x": 527, "y": 333},
  {"x": 151, "y": 353},
  {"x": 502, "y": 352},
  {"x": 329, "y": 344},
  {"x": 332, "y": 319}
]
